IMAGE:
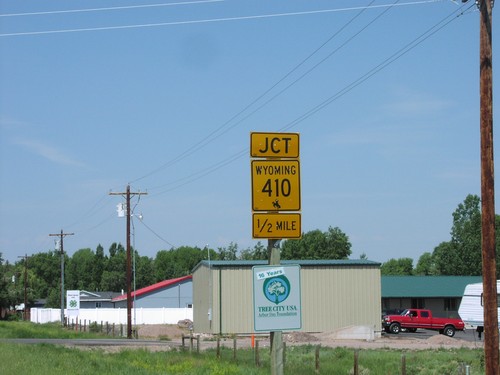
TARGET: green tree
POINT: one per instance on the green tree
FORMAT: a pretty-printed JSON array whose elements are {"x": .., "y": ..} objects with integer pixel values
[
  {"x": 144, "y": 271},
  {"x": 229, "y": 253},
  {"x": 259, "y": 252},
  {"x": 114, "y": 274},
  {"x": 80, "y": 271},
  {"x": 5, "y": 301},
  {"x": 446, "y": 259},
  {"x": 46, "y": 270},
  {"x": 177, "y": 262},
  {"x": 425, "y": 265},
  {"x": 466, "y": 236},
  {"x": 397, "y": 267},
  {"x": 98, "y": 269},
  {"x": 332, "y": 244}
]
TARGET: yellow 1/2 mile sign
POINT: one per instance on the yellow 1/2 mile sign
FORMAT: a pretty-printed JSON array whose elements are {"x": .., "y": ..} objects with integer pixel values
[{"x": 276, "y": 225}]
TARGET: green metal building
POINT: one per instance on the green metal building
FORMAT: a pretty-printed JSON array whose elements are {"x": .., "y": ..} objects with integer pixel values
[{"x": 441, "y": 294}]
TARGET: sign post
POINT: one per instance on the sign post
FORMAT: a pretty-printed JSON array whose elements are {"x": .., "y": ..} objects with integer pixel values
[{"x": 276, "y": 188}]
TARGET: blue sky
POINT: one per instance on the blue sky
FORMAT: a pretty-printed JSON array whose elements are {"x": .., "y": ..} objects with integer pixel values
[{"x": 95, "y": 95}]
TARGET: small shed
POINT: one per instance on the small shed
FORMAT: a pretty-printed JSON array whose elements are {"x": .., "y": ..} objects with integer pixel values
[
  {"x": 173, "y": 293},
  {"x": 335, "y": 294}
]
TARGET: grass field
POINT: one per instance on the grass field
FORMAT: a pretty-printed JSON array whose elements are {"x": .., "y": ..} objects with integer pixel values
[{"x": 41, "y": 359}]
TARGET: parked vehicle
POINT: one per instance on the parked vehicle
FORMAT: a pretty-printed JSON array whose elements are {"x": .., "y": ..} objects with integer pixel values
[
  {"x": 413, "y": 319},
  {"x": 471, "y": 307}
]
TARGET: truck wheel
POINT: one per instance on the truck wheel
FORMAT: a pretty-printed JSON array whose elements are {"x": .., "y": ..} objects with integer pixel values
[
  {"x": 449, "y": 331},
  {"x": 395, "y": 328}
]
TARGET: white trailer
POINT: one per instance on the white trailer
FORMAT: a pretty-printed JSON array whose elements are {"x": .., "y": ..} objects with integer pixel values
[{"x": 471, "y": 307}]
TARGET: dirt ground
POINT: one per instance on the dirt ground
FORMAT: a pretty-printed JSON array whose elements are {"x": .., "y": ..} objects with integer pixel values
[{"x": 327, "y": 339}]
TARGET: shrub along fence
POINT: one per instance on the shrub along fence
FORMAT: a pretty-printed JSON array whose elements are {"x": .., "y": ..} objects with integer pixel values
[{"x": 192, "y": 343}]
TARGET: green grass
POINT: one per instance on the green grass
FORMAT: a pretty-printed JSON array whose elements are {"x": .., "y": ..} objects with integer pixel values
[
  {"x": 27, "y": 330},
  {"x": 41, "y": 359}
]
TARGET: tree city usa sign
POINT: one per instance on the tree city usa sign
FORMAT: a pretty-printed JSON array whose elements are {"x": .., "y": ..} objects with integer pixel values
[{"x": 276, "y": 295}]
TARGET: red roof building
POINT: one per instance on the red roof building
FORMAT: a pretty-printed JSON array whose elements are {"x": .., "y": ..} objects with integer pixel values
[{"x": 173, "y": 293}]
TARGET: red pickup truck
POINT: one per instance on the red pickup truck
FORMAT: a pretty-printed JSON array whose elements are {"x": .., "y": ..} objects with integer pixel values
[{"x": 412, "y": 319}]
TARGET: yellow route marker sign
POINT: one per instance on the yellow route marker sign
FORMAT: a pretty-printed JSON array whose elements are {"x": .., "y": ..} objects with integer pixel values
[{"x": 275, "y": 185}]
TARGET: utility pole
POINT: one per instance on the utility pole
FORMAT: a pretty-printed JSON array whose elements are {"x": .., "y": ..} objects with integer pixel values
[
  {"x": 128, "y": 194},
  {"x": 488, "y": 190},
  {"x": 25, "y": 312},
  {"x": 61, "y": 248}
]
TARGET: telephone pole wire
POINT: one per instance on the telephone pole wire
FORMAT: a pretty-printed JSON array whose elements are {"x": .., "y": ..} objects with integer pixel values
[
  {"x": 61, "y": 248},
  {"x": 128, "y": 194}
]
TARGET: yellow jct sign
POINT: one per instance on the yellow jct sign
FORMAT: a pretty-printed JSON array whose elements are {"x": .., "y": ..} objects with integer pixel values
[
  {"x": 275, "y": 185},
  {"x": 276, "y": 225},
  {"x": 274, "y": 145}
]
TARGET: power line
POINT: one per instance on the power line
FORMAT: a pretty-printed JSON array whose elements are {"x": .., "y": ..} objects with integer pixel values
[
  {"x": 394, "y": 57},
  {"x": 51, "y": 12},
  {"x": 156, "y": 234},
  {"x": 213, "y": 20},
  {"x": 219, "y": 131}
]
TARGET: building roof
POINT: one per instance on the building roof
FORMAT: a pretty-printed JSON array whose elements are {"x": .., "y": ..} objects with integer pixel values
[
  {"x": 86, "y": 296},
  {"x": 302, "y": 263},
  {"x": 425, "y": 286},
  {"x": 152, "y": 288}
]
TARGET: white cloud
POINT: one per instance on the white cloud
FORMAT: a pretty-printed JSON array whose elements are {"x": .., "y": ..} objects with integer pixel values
[{"x": 48, "y": 152}]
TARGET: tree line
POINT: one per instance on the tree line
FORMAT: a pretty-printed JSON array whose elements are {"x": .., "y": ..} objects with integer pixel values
[
  {"x": 460, "y": 256},
  {"x": 97, "y": 270}
]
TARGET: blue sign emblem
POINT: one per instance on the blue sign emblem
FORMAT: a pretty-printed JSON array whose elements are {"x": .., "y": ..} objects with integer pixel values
[{"x": 277, "y": 289}]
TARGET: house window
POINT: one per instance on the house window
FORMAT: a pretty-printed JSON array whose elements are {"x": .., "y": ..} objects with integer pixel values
[
  {"x": 98, "y": 304},
  {"x": 417, "y": 303},
  {"x": 498, "y": 300},
  {"x": 189, "y": 305},
  {"x": 450, "y": 304}
]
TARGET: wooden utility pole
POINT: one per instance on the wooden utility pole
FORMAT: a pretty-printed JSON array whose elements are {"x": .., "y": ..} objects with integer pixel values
[
  {"x": 128, "y": 194},
  {"x": 61, "y": 248},
  {"x": 25, "y": 310},
  {"x": 488, "y": 191}
]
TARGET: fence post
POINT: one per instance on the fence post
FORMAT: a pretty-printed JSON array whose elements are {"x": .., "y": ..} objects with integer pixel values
[
  {"x": 316, "y": 358},
  {"x": 403, "y": 364},
  {"x": 256, "y": 349},
  {"x": 113, "y": 326},
  {"x": 183, "y": 337},
  {"x": 234, "y": 348},
  {"x": 284, "y": 354},
  {"x": 356, "y": 369},
  {"x": 218, "y": 347},
  {"x": 198, "y": 344}
]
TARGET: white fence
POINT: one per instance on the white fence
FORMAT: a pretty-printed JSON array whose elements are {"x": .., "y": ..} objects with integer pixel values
[{"x": 117, "y": 316}]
